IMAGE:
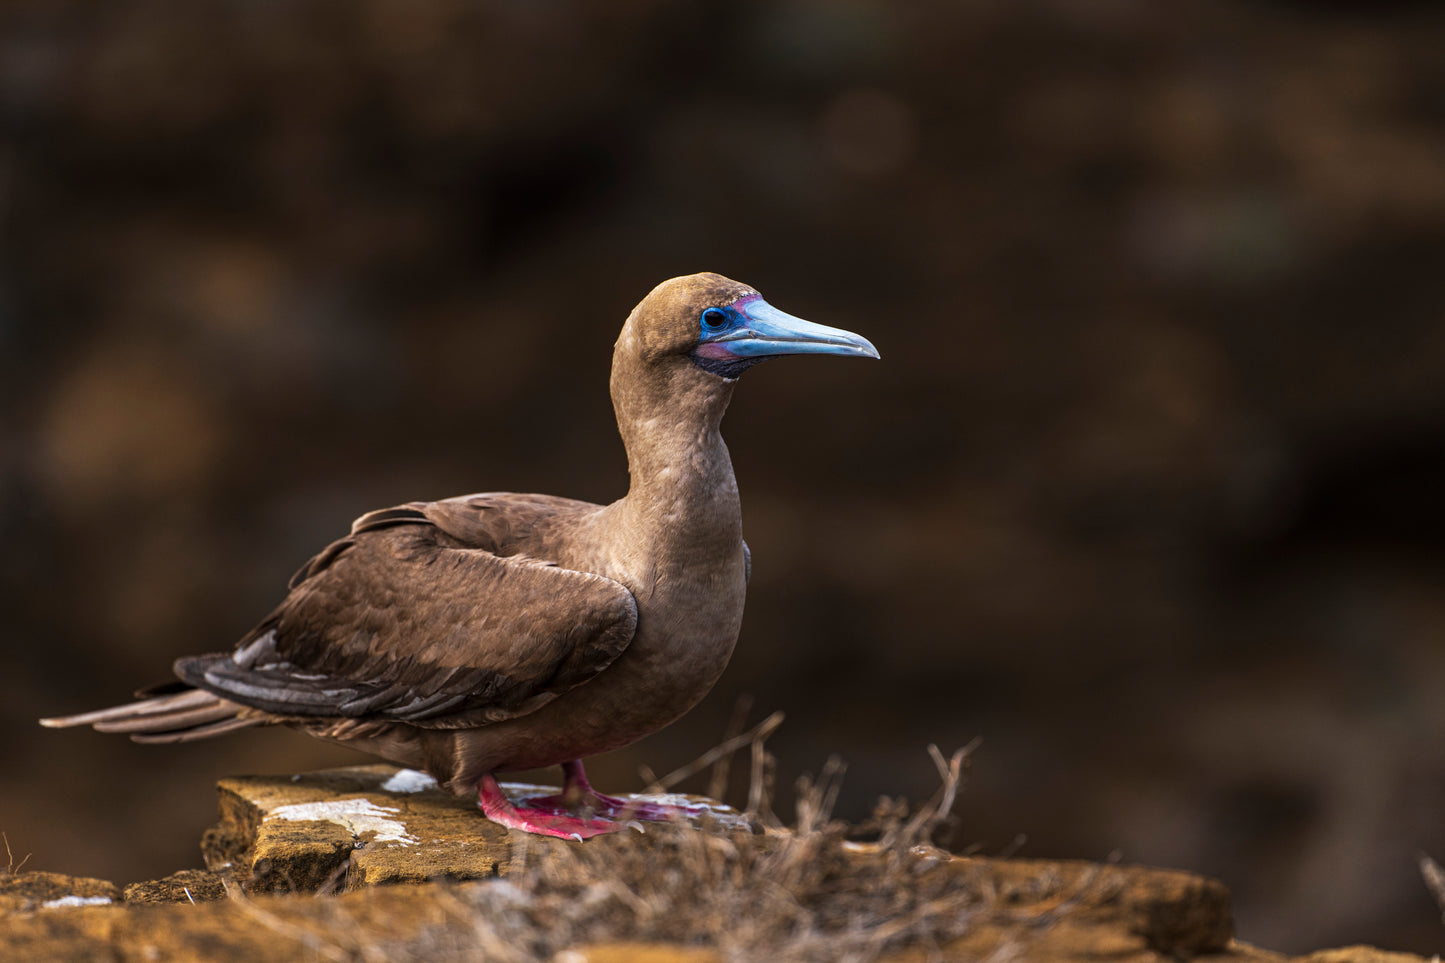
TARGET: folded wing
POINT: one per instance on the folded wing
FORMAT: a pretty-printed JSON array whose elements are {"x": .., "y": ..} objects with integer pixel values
[{"x": 403, "y": 621}]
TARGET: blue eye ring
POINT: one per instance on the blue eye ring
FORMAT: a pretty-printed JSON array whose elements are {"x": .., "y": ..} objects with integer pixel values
[{"x": 714, "y": 318}]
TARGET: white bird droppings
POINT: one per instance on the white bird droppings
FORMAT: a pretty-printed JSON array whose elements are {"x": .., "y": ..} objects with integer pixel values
[
  {"x": 409, "y": 780},
  {"x": 65, "y": 901},
  {"x": 356, "y": 815}
]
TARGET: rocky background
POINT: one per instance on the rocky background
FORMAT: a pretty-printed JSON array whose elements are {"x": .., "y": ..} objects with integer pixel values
[{"x": 1146, "y": 490}]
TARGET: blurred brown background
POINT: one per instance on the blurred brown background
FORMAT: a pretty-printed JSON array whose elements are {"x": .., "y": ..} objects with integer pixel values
[{"x": 1146, "y": 491}]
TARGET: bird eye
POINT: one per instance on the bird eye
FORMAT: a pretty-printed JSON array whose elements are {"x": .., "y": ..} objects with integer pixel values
[{"x": 714, "y": 318}]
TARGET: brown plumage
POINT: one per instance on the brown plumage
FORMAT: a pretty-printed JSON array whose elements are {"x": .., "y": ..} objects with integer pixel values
[{"x": 500, "y": 631}]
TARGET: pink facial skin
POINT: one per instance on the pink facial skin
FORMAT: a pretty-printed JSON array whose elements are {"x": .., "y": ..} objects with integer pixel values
[{"x": 716, "y": 350}]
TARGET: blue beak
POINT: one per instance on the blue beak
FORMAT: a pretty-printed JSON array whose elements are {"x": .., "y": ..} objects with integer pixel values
[{"x": 757, "y": 330}]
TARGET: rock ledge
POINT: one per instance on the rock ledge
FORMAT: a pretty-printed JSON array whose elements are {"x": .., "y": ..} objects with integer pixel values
[{"x": 410, "y": 869}]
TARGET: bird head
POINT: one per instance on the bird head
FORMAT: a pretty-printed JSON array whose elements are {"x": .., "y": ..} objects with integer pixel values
[
  {"x": 723, "y": 328},
  {"x": 676, "y": 364}
]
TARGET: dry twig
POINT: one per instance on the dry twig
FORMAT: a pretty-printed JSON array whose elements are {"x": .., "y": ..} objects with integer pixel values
[
  {"x": 717, "y": 784},
  {"x": 754, "y": 737},
  {"x": 1434, "y": 878},
  {"x": 11, "y": 868}
]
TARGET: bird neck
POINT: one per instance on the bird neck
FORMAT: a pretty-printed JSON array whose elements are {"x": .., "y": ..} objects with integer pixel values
[{"x": 683, "y": 497}]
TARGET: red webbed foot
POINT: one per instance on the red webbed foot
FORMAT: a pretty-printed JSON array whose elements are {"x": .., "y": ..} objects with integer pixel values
[{"x": 563, "y": 825}]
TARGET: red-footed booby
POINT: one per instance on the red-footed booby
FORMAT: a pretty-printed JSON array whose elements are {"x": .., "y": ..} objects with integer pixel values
[{"x": 498, "y": 632}]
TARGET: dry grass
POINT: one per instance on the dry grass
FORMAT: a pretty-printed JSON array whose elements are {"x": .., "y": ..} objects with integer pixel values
[
  {"x": 1434, "y": 878},
  {"x": 11, "y": 867},
  {"x": 808, "y": 892}
]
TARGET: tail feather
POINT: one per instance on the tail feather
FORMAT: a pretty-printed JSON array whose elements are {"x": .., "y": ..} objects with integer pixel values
[
  {"x": 190, "y": 699},
  {"x": 180, "y": 719},
  {"x": 198, "y": 733},
  {"x": 177, "y": 717}
]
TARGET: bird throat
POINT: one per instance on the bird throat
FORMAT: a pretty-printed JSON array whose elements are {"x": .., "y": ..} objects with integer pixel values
[{"x": 682, "y": 501}]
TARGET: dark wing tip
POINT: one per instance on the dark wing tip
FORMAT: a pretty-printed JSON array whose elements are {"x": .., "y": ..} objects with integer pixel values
[{"x": 169, "y": 687}]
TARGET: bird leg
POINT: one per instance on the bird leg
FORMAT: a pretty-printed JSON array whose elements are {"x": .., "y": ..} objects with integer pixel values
[
  {"x": 578, "y": 795},
  {"x": 539, "y": 821}
]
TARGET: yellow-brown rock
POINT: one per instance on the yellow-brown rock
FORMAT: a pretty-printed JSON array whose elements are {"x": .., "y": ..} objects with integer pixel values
[
  {"x": 1118, "y": 910},
  {"x": 186, "y": 886},
  {"x": 31, "y": 891},
  {"x": 677, "y": 894},
  {"x": 341, "y": 828}
]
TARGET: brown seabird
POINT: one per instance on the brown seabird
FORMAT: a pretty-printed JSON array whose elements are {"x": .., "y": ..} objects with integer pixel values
[{"x": 499, "y": 632}]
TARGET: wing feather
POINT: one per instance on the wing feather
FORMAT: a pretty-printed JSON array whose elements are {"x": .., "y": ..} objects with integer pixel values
[{"x": 402, "y": 621}]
